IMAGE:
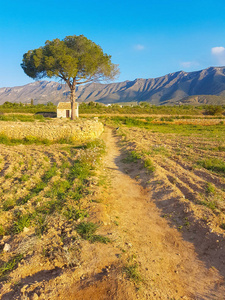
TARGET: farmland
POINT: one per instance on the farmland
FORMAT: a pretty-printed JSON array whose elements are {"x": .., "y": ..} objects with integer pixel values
[
  {"x": 190, "y": 158},
  {"x": 139, "y": 213}
]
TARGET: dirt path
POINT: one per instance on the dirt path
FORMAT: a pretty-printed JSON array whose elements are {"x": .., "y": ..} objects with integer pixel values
[{"x": 169, "y": 265}]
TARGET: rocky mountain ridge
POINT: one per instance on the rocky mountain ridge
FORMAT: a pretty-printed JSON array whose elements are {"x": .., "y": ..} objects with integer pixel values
[{"x": 167, "y": 89}]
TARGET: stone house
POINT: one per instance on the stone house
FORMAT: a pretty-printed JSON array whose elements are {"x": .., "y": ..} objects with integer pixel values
[{"x": 64, "y": 110}]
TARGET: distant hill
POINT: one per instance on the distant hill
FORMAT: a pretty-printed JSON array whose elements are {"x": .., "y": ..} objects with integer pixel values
[
  {"x": 172, "y": 88},
  {"x": 201, "y": 100},
  {"x": 39, "y": 91}
]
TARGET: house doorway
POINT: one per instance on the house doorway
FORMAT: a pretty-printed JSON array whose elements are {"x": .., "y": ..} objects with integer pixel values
[{"x": 67, "y": 113}]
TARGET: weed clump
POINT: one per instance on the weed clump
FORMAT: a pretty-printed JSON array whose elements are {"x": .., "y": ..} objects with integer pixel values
[
  {"x": 21, "y": 222},
  {"x": 131, "y": 271},
  {"x": 9, "y": 266},
  {"x": 210, "y": 189},
  {"x": 71, "y": 213},
  {"x": 87, "y": 231},
  {"x": 148, "y": 164}
]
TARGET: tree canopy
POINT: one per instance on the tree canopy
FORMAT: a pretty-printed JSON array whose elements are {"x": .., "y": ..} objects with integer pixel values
[{"x": 75, "y": 59}]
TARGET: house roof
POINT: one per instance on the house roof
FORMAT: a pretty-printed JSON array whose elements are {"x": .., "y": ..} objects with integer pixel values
[{"x": 64, "y": 105}]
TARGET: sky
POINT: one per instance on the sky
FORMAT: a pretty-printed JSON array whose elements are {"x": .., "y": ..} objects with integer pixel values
[{"x": 146, "y": 38}]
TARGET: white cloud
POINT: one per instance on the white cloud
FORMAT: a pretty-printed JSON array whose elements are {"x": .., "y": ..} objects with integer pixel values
[
  {"x": 219, "y": 55},
  {"x": 189, "y": 64},
  {"x": 139, "y": 47},
  {"x": 218, "y": 50}
]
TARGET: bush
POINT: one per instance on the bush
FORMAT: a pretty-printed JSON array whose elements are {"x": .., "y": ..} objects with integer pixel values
[{"x": 214, "y": 110}]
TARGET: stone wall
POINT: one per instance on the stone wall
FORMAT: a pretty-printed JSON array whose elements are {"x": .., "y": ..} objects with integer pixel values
[
  {"x": 61, "y": 113},
  {"x": 78, "y": 130}
]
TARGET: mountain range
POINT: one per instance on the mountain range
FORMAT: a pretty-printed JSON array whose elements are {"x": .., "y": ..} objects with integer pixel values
[{"x": 201, "y": 87}]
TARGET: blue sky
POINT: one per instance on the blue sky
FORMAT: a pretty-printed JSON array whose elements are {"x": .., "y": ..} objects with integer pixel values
[{"x": 146, "y": 38}]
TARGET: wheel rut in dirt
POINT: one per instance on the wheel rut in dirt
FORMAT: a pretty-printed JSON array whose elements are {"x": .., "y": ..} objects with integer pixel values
[{"x": 169, "y": 263}]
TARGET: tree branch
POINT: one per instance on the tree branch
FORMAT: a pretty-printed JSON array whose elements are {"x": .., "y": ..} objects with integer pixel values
[
  {"x": 65, "y": 79},
  {"x": 86, "y": 81}
]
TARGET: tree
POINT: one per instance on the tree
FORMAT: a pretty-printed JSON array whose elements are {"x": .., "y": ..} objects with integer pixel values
[{"x": 75, "y": 59}]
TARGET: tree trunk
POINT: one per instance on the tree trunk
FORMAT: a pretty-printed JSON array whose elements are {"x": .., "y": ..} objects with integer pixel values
[{"x": 73, "y": 102}]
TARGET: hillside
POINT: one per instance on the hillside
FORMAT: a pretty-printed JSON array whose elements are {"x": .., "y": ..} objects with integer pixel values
[
  {"x": 199, "y": 100},
  {"x": 167, "y": 89},
  {"x": 40, "y": 91}
]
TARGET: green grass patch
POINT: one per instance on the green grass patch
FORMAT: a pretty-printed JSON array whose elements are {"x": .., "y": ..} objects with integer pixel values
[
  {"x": 22, "y": 118},
  {"x": 167, "y": 119},
  {"x": 99, "y": 239},
  {"x": 87, "y": 231},
  {"x": 40, "y": 186},
  {"x": 8, "y": 204},
  {"x": 221, "y": 148},
  {"x": 62, "y": 196},
  {"x": 2, "y": 230},
  {"x": 65, "y": 165},
  {"x": 131, "y": 271},
  {"x": 40, "y": 224},
  {"x": 210, "y": 188},
  {"x": 213, "y": 164},
  {"x": 222, "y": 226},
  {"x": 29, "y": 140},
  {"x": 213, "y": 132},
  {"x": 50, "y": 173},
  {"x": 148, "y": 164},
  {"x": 80, "y": 170},
  {"x": 72, "y": 213},
  {"x": 24, "y": 177},
  {"x": 97, "y": 143},
  {"x": 132, "y": 157},
  {"x": 78, "y": 192},
  {"x": 209, "y": 203},
  {"x": 9, "y": 266},
  {"x": 21, "y": 222},
  {"x": 8, "y": 176},
  {"x": 58, "y": 189},
  {"x": 51, "y": 206},
  {"x": 159, "y": 150}
]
